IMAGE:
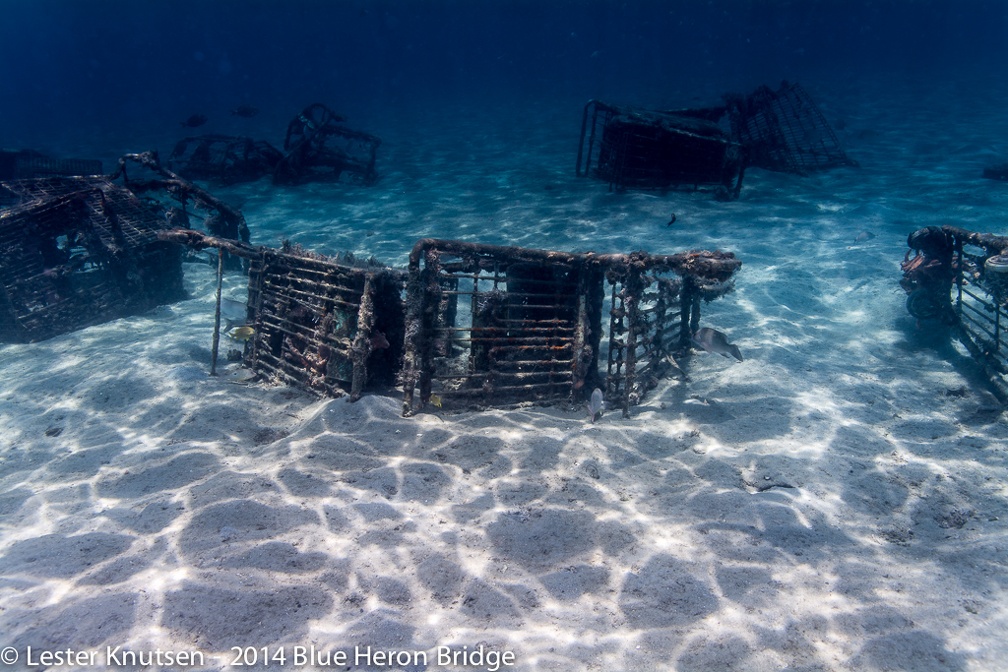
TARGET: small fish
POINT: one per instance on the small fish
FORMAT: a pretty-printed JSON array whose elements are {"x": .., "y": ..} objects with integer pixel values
[
  {"x": 671, "y": 221},
  {"x": 245, "y": 111},
  {"x": 595, "y": 405},
  {"x": 714, "y": 341},
  {"x": 242, "y": 334},
  {"x": 435, "y": 400},
  {"x": 234, "y": 313},
  {"x": 194, "y": 121},
  {"x": 864, "y": 237}
]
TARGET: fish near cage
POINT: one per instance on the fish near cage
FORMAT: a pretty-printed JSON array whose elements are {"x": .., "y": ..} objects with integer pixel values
[
  {"x": 324, "y": 324},
  {"x": 494, "y": 326},
  {"x": 654, "y": 310},
  {"x": 785, "y": 131},
  {"x": 79, "y": 251},
  {"x": 634, "y": 148},
  {"x": 960, "y": 278}
]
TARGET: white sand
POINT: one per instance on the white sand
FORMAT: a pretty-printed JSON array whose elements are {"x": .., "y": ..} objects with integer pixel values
[{"x": 838, "y": 501}]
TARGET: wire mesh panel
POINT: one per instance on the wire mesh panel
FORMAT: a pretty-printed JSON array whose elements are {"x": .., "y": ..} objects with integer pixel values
[
  {"x": 647, "y": 149},
  {"x": 79, "y": 251},
  {"x": 784, "y": 130},
  {"x": 490, "y": 326},
  {"x": 960, "y": 278},
  {"x": 322, "y": 324}
]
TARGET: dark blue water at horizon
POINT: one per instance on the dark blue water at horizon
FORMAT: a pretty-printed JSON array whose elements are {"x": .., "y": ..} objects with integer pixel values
[{"x": 91, "y": 67}]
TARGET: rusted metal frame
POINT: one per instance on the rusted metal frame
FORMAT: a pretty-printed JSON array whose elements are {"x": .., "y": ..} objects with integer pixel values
[
  {"x": 498, "y": 253},
  {"x": 596, "y": 106},
  {"x": 633, "y": 289},
  {"x": 198, "y": 240},
  {"x": 990, "y": 243},
  {"x": 308, "y": 296},
  {"x": 361, "y": 348}
]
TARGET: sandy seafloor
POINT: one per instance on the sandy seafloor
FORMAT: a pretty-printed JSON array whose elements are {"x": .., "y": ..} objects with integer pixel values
[{"x": 147, "y": 505}]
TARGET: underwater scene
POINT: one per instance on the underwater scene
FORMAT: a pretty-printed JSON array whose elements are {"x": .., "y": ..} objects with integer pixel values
[{"x": 458, "y": 335}]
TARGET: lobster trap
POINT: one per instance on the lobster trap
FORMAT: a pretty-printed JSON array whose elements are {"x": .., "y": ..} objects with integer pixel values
[
  {"x": 318, "y": 147},
  {"x": 960, "y": 278},
  {"x": 490, "y": 326},
  {"x": 224, "y": 158},
  {"x": 783, "y": 130},
  {"x": 647, "y": 149},
  {"x": 78, "y": 251},
  {"x": 322, "y": 323}
]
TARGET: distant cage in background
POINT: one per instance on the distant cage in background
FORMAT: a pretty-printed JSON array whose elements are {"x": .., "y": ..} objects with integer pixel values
[
  {"x": 223, "y": 158},
  {"x": 960, "y": 278},
  {"x": 784, "y": 130},
  {"x": 649, "y": 149},
  {"x": 324, "y": 324},
  {"x": 489, "y": 325},
  {"x": 79, "y": 251},
  {"x": 28, "y": 164}
]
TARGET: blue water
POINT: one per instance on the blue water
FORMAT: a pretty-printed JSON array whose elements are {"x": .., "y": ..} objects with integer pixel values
[
  {"x": 147, "y": 504},
  {"x": 130, "y": 71}
]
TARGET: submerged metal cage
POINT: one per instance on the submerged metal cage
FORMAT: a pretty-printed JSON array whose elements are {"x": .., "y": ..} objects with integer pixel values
[
  {"x": 648, "y": 149},
  {"x": 324, "y": 324},
  {"x": 224, "y": 158},
  {"x": 75, "y": 252},
  {"x": 489, "y": 325},
  {"x": 28, "y": 164},
  {"x": 961, "y": 278},
  {"x": 318, "y": 147},
  {"x": 783, "y": 130}
]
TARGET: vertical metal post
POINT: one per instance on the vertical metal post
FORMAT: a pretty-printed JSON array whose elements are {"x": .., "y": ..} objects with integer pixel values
[{"x": 216, "y": 326}]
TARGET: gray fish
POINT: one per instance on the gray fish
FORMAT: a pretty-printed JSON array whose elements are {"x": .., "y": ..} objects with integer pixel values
[
  {"x": 714, "y": 341},
  {"x": 194, "y": 121},
  {"x": 596, "y": 404},
  {"x": 864, "y": 237},
  {"x": 235, "y": 313}
]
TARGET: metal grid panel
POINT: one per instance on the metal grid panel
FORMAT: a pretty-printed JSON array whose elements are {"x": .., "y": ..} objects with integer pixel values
[
  {"x": 491, "y": 326},
  {"x": 76, "y": 252},
  {"x": 784, "y": 130},
  {"x": 323, "y": 325},
  {"x": 648, "y": 149}
]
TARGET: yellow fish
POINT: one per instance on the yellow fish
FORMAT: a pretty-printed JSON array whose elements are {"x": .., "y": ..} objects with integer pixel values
[
  {"x": 435, "y": 400},
  {"x": 241, "y": 333}
]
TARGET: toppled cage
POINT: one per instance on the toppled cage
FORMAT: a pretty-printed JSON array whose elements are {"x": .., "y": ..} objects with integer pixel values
[
  {"x": 960, "y": 278},
  {"x": 317, "y": 147},
  {"x": 784, "y": 130},
  {"x": 321, "y": 323},
  {"x": 77, "y": 251},
  {"x": 648, "y": 149},
  {"x": 780, "y": 130},
  {"x": 489, "y": 325},
  {"x": 223, "y": 158},
  {"x": 324, "y": 324}
]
